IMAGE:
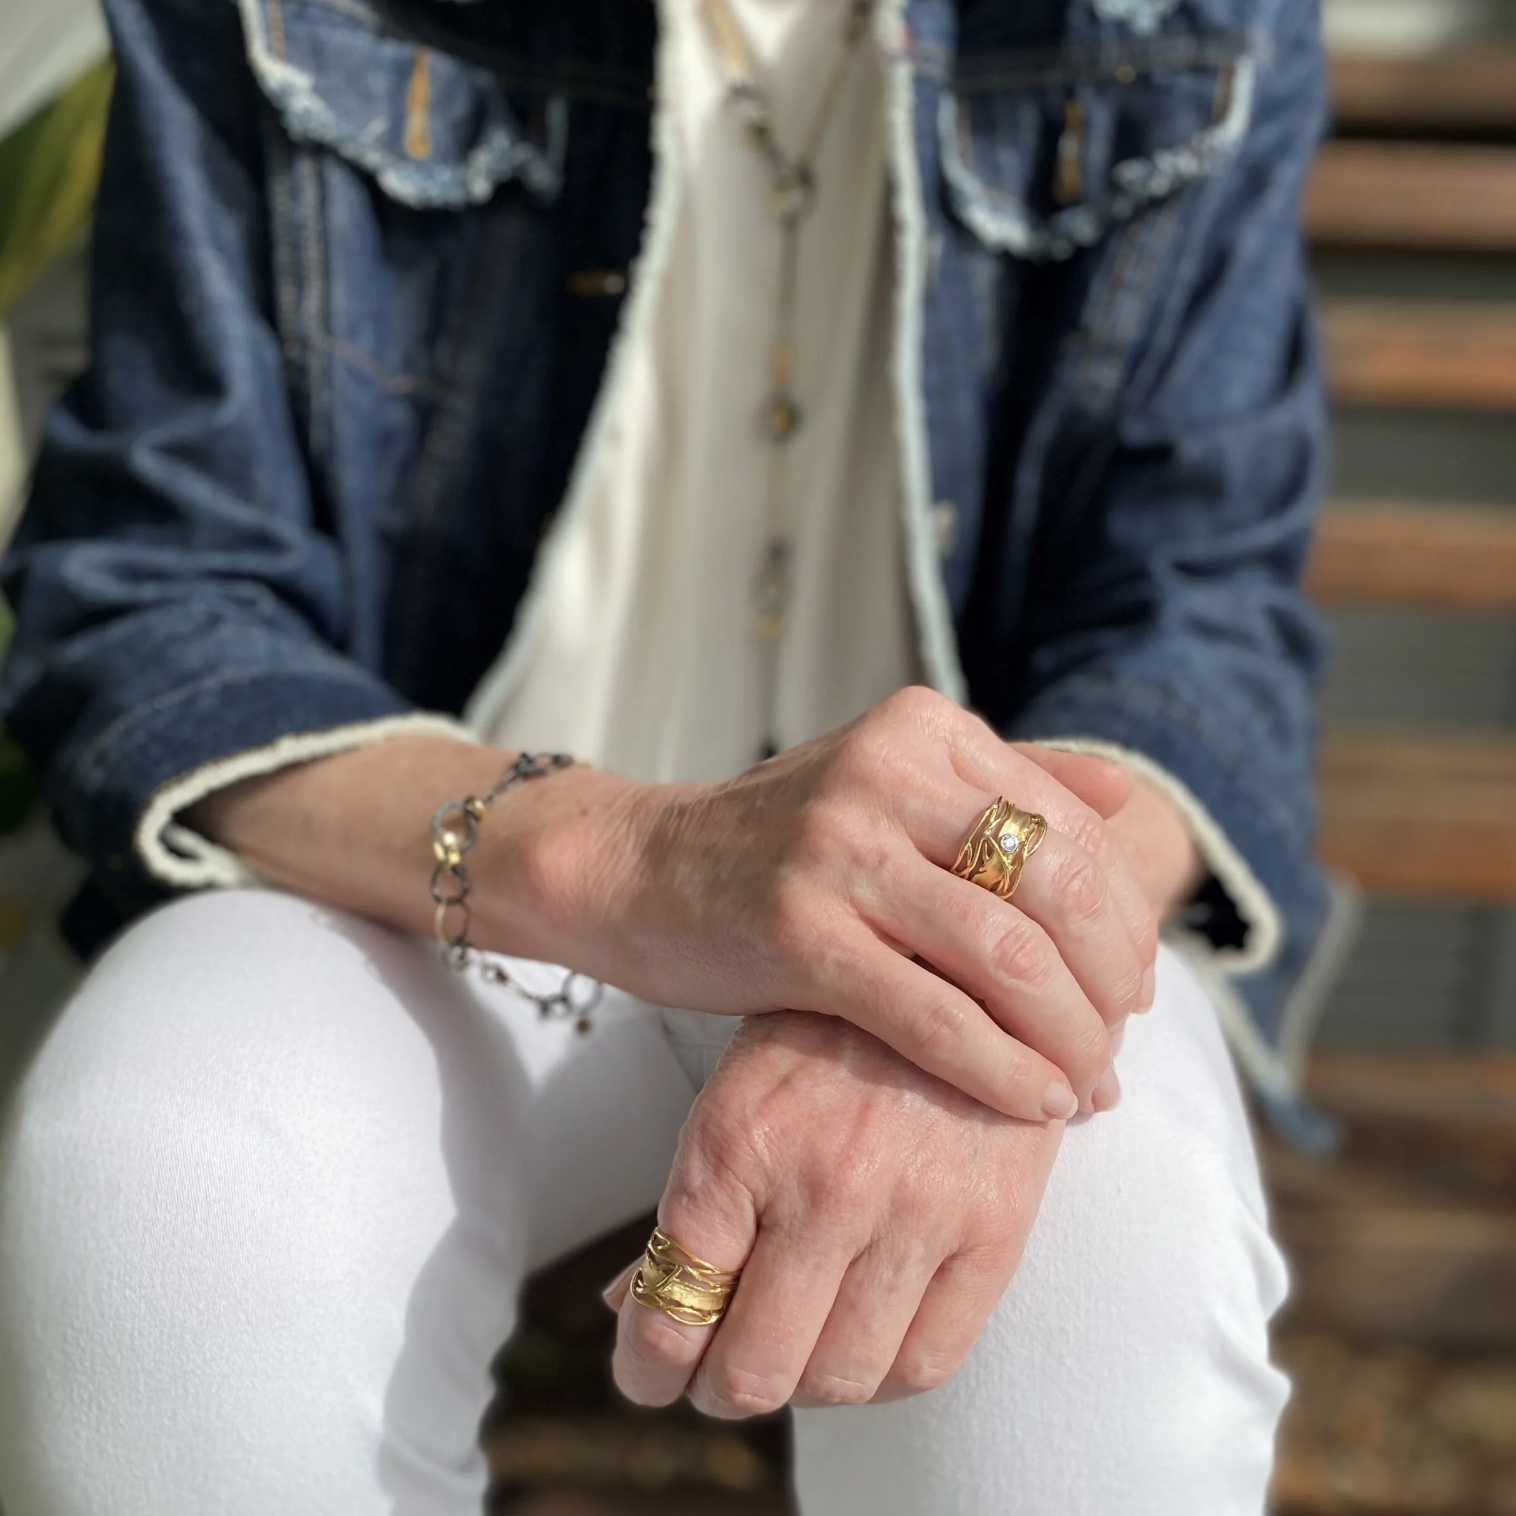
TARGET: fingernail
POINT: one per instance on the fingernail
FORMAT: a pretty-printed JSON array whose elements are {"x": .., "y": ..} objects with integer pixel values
[
  {"x": 1107, "y": 1091},
  {"x": 1149, "y": 989},
  {"x": 1060, "y": 1103}
]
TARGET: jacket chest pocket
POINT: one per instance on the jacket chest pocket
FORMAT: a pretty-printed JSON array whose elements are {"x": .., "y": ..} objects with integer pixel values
[
  {"x": 404, "y": 185},
  {"x": 434, "y": 131},
  {"x": 1044, "y": 151}
]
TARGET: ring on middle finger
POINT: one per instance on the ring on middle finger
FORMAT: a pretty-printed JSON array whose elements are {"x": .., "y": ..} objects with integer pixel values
[
  {"x": 998, "y": 845},
  {"x": 683, "y": 1287}
]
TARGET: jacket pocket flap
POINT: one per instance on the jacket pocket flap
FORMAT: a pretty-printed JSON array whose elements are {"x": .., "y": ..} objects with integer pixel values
[
  {"x": 1044, "y": 151},
  {"x": 433, "y": 130}
]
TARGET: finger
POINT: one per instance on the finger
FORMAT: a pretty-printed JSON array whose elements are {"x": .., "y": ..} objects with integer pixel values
[
  {"x": 1073, "y": 898},
  {"x": 992, "y": 768},
  {"x": 954, "y": 1309},
  {"x": 1103, "y": 786},
  {"x": 1005, "y": 960},
  {"x": 1075, "y": 895},
  {"x": 656, "y": 1356},
  {"x": 940, "y": 1029},
  {"x": 876, "y": 1303},
  {"x": 764, "y": 1341}
]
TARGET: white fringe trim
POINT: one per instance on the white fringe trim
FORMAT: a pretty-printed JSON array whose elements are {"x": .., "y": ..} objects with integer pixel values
[
  {"x": 182, "y": 858},
  {"x": 1253, "y": 902},
  {"x": 936, "y": 639}
]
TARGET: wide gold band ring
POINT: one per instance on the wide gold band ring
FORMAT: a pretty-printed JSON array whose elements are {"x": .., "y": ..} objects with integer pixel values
[
  {"x": 685, "y": 1288},
  {"x": 998, "y": 846}
]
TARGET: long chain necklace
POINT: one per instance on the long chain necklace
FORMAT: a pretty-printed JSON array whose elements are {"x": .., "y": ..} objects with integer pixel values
[{"x": 791, "y": 196}]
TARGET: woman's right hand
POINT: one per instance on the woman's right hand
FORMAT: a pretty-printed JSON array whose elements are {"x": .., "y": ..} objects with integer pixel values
[{"x": 819, "y": 881}]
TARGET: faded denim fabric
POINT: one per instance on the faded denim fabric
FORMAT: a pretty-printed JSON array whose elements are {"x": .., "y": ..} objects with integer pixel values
[{"x": 342, "y": 372}]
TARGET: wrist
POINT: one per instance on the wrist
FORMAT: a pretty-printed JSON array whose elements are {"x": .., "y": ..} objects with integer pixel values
[{"x": 555, "y": 856}]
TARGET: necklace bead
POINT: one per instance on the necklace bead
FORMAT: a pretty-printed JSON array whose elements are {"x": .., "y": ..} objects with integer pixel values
[{"x": 781, "y": 416}]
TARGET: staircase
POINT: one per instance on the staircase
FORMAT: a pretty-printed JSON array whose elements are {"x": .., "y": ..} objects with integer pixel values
[
  {"x": 1401, "y": 1334},
  {"x": 1426, "y": 813}
]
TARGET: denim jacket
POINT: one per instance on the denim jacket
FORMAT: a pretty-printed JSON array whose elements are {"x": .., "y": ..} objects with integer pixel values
[{"x": 358, "y": 267}]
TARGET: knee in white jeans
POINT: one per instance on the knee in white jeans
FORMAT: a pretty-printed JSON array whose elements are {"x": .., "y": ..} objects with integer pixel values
[
  {"x": 1126, "y": 1371},
  {"x": 230, "y": 1200}
]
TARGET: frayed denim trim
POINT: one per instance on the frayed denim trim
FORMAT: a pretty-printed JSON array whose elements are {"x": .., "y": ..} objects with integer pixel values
[
  {"x": 1143, "y": 16},
  {"x": 501, "y": 155},
  {"x": 1010, "y": 227}
]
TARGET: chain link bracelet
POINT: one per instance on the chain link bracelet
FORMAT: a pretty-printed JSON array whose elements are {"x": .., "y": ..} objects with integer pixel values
[{"x": 455, "y": 829}]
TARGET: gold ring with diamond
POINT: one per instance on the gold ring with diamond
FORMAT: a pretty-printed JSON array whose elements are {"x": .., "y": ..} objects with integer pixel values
[
  {"x": 998, "y": 846},
  {"x": 685, "y": 1288}
]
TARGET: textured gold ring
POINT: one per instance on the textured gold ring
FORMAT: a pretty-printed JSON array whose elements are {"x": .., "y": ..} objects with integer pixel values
[
  {"x": 998, "y": 846},
  {"x": 685, "y": 1288}
]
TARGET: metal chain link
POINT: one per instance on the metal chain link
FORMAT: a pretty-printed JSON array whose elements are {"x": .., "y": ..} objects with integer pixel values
[{"x": 455, "y": 829}]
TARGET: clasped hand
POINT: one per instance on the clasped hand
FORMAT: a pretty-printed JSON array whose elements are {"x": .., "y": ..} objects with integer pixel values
[
  {"x": 820, "y": 881},
  {"x": 872, "y": 1153}
]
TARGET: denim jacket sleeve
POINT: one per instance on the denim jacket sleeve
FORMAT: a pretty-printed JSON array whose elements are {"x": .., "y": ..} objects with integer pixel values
[
  {"x": 1171, "y": 621},
  {"x": 177, "y": 599}
]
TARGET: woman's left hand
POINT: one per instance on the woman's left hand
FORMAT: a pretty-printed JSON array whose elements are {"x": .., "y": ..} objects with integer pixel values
[{"x": 877, "y": 1215}]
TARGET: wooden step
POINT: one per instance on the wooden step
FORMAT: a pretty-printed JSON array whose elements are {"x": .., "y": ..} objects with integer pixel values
[
  {"x": 1459, "y": 557},
  {"x": 1444, "y": 354},
  {"x": 1386, "y": 1429},
  {"x": 1425, "y": 196},
  {"x": 1408, "y": 1233},
  {"x": 1420, "y": 814},
  {"x": 1464, "y": 88}
]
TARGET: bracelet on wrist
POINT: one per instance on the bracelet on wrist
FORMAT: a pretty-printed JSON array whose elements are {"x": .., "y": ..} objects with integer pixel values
[{"x": 455, "y": 829}]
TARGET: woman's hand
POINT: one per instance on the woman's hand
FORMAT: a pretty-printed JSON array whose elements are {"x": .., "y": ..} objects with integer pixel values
[
  {"x": 820, "y": 881},
  {"x": 817, "y": 881},
  {"x": 876, "y": 1213}
]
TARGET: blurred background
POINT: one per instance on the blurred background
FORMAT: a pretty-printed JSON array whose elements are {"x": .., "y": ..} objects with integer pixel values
[{"x": 1402, "y": 1334}]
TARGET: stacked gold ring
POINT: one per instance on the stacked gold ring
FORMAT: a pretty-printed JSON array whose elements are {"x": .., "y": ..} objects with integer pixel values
[
  {"x": 685, "y": 1288},
  {"x": 997, "y": 847}
]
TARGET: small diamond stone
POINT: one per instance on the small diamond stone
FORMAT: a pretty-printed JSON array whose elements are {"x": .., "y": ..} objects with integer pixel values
[{"x": 1009, "y": 842}]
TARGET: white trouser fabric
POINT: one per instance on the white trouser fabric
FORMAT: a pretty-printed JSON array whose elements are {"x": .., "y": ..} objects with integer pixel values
[{"x": 270, "y": 1186}]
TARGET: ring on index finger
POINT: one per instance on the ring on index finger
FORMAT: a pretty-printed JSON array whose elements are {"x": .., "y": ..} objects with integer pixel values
[
  {"x": 998, "y": 845},
  {"x": 685, "y": 1288}
]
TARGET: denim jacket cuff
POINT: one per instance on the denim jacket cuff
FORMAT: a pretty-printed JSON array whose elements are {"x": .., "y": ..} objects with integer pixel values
[
  {"x": 116, "y": 800},
  {"x": 180, "y": 857}
]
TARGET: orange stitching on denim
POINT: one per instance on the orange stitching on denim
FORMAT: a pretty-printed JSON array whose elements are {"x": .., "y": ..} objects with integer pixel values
[{"x": 418, "y": 108}]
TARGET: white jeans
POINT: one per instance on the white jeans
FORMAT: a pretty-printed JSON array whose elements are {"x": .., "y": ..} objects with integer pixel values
[{"x": 269, "y": 1189}]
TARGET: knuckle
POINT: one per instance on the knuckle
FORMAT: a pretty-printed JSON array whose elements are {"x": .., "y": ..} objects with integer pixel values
[
  {"x": 922, "y": 1370},
  {"x": 862, "y": 755},
  {"x": 837, "y": 1389},
  {"x": 915, "y": 704},
  {"x": 721, "y": 1147},
  {"x": 940, "y": 1027},
  {"x": 740, "y": 1392},
  {"x": 662, "y": 1342},
  {"x": 843, "y": 1188},
  {"x": 1089, "y": 833},
  {"x": 1126, "y": 991},
  {"x": 1083, "y": 891},
  {"x": 1089, "y": 1050},
  {"x": 1022, "y": 955}
]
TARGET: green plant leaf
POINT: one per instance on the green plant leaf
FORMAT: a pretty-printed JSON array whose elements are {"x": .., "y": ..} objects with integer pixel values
[{"x": 49, "y": 171}]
